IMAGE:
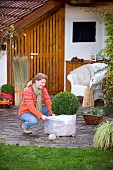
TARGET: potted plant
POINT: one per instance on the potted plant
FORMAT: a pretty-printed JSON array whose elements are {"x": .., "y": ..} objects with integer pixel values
[
  {"x": 93, "y": 116},
  {"x": 65, "y": 105},
  {"x": 5, "y": 102},
  {"x": 7, "y": 91},
  {"x": 103, "y": 137},
  {"x": 7, "y": 88}
]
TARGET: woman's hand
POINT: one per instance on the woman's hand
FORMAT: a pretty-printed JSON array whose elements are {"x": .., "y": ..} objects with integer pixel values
[
  {"x": 44, "y": 117},
  {"x": 53, "y": 114}
]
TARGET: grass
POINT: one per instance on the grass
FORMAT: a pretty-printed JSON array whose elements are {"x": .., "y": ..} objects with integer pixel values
[{"x": 14, "y": 157}]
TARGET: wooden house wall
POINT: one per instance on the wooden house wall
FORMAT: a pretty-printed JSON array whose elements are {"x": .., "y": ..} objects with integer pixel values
[{"x": 47, "y": 39}]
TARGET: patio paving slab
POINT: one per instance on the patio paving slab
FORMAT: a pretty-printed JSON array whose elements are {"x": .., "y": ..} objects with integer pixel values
[{"x": 11, "y": 132}]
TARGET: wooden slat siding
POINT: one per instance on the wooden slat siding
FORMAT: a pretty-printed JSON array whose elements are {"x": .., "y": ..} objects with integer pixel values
[
  {"x": 41, "y": 46},
  {"x": 59, "y": 67},
  {"x": 31, "y": 51},
  {"x": 28, "y": 50},
  {"x": 59, "y": 51},
  {"x": 18, "y": 46},
  {"x": 35, "y": 50},
  {"x": 50, "y": 57},
  {"x": 25, "y": 48},
  {"x": 13, "y": 45},
  {"x": 62, "y": 46},
  {"x": 46, "y": 39},
  {"x": 44, "y": 47},
  {"x": 38, "y": 39},
  {"x": 42, "y": 55},
  {"x": 57, "y": 48},
  {"x": 22, "y": 45},
  {"x": 47, "y": 52},
  {"x": 54, "y": 57}
]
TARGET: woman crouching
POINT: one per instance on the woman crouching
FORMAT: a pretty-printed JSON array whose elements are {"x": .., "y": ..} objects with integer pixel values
[{"x": 36, "y": 103}]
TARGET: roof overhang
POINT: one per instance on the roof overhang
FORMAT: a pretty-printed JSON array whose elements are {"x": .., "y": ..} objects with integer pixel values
[
  {"x": 48, "y": 9},
  {"x": 85, "y": 2}
]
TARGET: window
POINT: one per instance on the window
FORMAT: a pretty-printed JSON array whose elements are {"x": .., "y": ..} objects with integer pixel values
[{"x": 84, "y": 32}]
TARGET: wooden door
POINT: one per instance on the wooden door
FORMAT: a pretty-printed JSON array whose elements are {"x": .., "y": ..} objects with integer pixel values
[{"x": 44, "y": 46}]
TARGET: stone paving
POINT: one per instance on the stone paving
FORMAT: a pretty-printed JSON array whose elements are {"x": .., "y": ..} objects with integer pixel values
[{"x": 11, "y": 132}]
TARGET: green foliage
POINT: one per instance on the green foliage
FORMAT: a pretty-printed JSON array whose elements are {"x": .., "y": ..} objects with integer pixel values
[
  {"x": 8, "y": 98},
  {"x": 65, "y": 103},
  {"x": 108, "y": 52},
  {"x": 94, "y": 111},
  {"x": 106, "y": 110},
  {"x": 14, "y": 157},
  {"x": 103, "y": 110},
  {"x": 106, "y": 14},
  {"x": 7, "y": 88},
  {"x": 103, "y": 138},
  {"x": 1, "y": 98}
]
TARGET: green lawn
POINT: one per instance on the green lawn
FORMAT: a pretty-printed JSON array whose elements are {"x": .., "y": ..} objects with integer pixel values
[{"x": 14, "y": 157}]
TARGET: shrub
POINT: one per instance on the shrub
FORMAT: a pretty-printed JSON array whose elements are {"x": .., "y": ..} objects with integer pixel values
[
  {"x": 65, "y": 103},
  {"x": 7, "y": 88},
  {"x": 103, "y": 137},
  {"x": 107, "y": 17},
  {"x": 94, "y": 111},
  {"x": 106, "y": 110}
]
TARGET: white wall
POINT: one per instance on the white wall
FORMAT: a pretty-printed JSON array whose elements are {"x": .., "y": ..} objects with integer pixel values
[
  {"x": 81, "y": 50},
  {"x": 3, "y": 68}
]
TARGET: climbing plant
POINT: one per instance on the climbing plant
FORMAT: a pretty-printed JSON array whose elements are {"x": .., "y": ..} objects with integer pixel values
[{"x": 107, "y": 16}]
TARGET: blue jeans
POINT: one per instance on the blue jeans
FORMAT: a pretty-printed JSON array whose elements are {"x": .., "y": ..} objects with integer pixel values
[{"x": 30, "y": 120}]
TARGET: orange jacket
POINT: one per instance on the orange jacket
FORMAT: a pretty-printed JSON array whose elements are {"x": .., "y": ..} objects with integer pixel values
[{"x": 29, "y": 102}]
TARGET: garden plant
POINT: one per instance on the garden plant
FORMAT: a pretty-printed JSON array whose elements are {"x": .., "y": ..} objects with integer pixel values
[
  {"x": 7, "y": 88},
  {"x": 107, "y": 52},
  {"x": 65, "y": 103},
  {"x": 103, "y": 138}
]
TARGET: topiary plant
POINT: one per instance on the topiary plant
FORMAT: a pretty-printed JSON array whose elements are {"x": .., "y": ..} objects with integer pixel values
[
  {"x": 65, "y": 103},
  {"x": 103, "y": 137},
  {"x": 7, "y": 88}
]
